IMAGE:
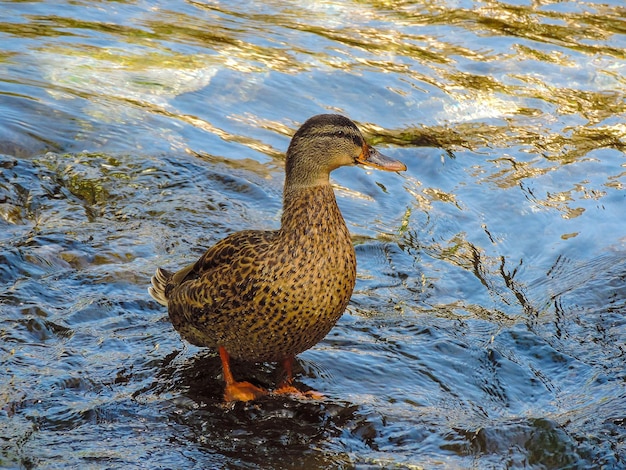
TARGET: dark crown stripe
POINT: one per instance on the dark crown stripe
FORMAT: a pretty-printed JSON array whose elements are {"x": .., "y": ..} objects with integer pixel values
[{"x": 347, "y": 134}]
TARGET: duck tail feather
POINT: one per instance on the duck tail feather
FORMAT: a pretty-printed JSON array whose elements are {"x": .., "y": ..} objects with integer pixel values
[{"x": 159, "y": 282}]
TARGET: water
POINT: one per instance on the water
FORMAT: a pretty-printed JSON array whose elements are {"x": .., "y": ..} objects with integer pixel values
[{"x": 487, "y": 328}]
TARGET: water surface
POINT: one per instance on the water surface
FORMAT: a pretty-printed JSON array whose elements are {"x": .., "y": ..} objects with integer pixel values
[{"x": 487, "y": 327}]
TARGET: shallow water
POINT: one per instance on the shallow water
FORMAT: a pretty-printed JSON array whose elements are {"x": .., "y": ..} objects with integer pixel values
[{"x": 487, "y": 328}]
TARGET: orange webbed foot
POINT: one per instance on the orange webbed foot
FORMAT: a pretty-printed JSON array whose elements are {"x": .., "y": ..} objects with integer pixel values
[
  {"x": 243, "y": 391},
  {"x": 237, "y": 391},
  {"x": 286, "y": 387},
  {"x": 289, "y": 389}
]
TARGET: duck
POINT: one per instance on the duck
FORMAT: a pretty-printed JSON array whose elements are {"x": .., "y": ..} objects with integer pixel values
[{"x": 268, "y": 295}]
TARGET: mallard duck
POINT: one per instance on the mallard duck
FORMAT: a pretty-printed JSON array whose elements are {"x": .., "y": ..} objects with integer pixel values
[{"x": 266, "y": 296}]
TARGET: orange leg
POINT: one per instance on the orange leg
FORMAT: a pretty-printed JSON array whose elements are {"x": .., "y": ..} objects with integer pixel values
[
  {"x": 286, "y": 387},
  {"x": 237, "y": 391}
]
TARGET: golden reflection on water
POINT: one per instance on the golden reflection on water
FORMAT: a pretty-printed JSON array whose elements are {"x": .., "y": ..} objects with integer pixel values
[
  {"x": 500, "y": 70},
  {"x": 525, "y": 107}
]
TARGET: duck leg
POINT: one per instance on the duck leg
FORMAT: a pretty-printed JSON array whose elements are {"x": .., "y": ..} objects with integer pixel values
[
  {"x": 237, "y": 391},
  {"x": 286, "y": 387}
]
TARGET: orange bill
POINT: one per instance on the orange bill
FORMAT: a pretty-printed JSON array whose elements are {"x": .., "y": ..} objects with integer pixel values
[{"x": 373, "y": 158}]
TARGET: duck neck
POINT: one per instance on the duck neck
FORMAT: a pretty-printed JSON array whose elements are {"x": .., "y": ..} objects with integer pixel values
[{"x": 311, "y": 208}]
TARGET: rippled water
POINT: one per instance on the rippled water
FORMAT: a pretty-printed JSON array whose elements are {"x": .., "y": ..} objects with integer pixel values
[{"x": 487, "y": 328}]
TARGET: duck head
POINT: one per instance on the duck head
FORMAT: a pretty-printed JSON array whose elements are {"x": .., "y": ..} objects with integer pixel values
[{"x": 326, "y": 142}]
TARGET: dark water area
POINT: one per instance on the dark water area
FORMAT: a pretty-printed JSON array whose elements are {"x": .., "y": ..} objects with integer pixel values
[{"x": 488, "y": 324}]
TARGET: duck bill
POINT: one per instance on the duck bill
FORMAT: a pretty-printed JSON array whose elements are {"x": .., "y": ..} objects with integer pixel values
[{"x": 373, "y": 158}]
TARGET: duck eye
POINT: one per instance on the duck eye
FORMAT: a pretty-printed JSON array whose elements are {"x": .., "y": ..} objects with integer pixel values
[{"x": 339, "y": 134}]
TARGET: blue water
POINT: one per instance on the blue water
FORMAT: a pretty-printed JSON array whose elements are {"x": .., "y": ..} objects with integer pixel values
[{"x": 487, "y": 328}]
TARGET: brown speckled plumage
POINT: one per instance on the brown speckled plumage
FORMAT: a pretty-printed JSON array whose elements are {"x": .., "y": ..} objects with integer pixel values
[{"x": 269, "y": 295}]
